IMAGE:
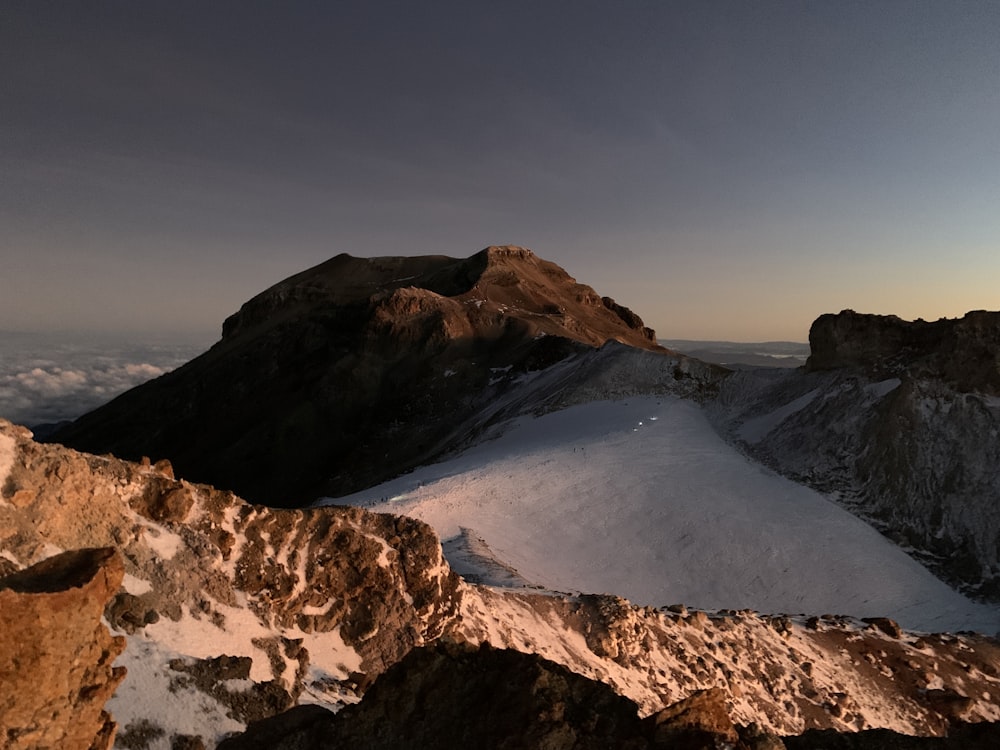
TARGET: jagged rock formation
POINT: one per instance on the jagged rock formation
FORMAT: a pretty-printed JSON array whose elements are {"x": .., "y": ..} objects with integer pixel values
[
  {"x": 898, "y": 421},
  {"x": 453, "y": 696},
  {"x": 356, "y": 370},
  {"x": 56, "y": 657},
  {"x": 313, "y": 600},
  {"x": 964, "y": 352},
  {"x": 234, "y": 612}
]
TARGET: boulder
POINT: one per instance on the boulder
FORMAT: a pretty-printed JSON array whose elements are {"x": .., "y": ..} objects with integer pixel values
[{"x": 56, "y": 657}]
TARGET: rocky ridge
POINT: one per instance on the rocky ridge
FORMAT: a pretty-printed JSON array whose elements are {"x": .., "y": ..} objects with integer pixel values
[
  {"x": 234, "y": 612},
  {"x": 356, "y": 370},
  {"x": 963, "y": 353}
]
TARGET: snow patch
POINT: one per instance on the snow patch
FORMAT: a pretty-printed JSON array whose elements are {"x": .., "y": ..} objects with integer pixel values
[
  {"x": 201, "y": 638},
  {"x": 153, "y": 692},
  {"x": 883, "y": 388},
  {"x": 164, "y": 543},
  {"x": 328, "y": 653},
  {"x": 754, "y": 430},
  {"x": 136, "y": 586}
]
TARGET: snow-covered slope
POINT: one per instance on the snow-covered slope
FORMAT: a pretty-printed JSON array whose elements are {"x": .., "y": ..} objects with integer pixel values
[
  {"x": 642, "y": 498},
  {"x": 913, "y": 455}
]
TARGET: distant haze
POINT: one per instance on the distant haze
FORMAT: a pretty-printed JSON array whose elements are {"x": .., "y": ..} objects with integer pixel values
[
  {"x": 738, "y": 354},
  {"x": 50, "y": 378},
  {"x": 729, "y": 170}
]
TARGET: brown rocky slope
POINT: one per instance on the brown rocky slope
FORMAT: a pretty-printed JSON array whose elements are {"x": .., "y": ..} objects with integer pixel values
[
  {"x": 233, "y": 613},
  {"x": 353, "y": 371}
]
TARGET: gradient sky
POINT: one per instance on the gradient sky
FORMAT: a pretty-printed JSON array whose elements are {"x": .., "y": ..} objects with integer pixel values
[{"x": 730, "y": 170}]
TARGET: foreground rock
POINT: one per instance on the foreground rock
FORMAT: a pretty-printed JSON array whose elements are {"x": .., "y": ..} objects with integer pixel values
[
  {"x": 56, "y": 657},
  {"x": 235, "y": 612},
  {"x": 452, "y": 696},
  {"x": 353, "y": 371}
]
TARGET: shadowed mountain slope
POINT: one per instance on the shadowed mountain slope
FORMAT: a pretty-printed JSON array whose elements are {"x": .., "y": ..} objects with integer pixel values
[{"x": 356, "y": 370}]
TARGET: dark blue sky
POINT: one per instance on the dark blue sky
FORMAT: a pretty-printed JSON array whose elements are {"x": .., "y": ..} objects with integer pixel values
[{"x": 729, "y": 170}]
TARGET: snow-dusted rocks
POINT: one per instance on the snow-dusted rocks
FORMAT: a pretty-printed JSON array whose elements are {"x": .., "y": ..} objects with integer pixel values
[
  {"x": 234, "y": 612},
  {"x": 912, "y": 455},
  {"x": 301, "y": 605}
]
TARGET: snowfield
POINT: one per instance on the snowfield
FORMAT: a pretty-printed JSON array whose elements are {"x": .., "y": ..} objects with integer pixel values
[{"x": 643, "y": 499}]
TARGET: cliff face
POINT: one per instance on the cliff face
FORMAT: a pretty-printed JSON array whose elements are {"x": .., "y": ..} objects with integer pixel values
[
  {"x": 233, "y": 613},
  {"x": 963, "y": 352},
  {"x": 356, "y": 370}
]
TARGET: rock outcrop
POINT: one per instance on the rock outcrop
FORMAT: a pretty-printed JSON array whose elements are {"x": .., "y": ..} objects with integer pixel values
[
  {"x": 356, "y": 370},
  {"x": 285, "y": 600},
  {"x": 454, "y": 696},
  {"x": 56, "y": 657},
  {"x": 963, "y": 352}
]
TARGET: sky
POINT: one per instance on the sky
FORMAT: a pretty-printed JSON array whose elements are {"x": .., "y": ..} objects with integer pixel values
[{"x": 729, "y": 170}]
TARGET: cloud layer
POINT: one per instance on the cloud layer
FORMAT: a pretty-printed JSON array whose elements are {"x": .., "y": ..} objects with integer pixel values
[{"x": 51, "y": 378}]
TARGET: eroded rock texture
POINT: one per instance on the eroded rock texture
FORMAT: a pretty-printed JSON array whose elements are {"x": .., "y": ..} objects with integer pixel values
[{"x": 56, "y": 657}]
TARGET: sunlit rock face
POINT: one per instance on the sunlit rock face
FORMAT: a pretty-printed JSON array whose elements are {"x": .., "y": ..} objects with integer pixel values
[
  {"x": 56, "y": 657},
  {"x": 356, "y": 370}
]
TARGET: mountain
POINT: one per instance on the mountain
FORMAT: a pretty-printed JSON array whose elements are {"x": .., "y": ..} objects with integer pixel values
[
  {"x": 356, "y": 370},
  {"x": 898, "y": 421},
  {"x": 577, "y": 462},
  {"x": 232, "y": 613}
]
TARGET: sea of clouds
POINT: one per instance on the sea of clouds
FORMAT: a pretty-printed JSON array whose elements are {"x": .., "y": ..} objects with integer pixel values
[{"x": 46, "y": 378}]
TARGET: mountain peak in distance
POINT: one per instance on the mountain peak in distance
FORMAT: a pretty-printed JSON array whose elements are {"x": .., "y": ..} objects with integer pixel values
[{"x": 356, "y": 370}]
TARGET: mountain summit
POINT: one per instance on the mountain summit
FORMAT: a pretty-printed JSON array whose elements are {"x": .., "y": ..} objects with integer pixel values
[{"x": 356, "y": 370}]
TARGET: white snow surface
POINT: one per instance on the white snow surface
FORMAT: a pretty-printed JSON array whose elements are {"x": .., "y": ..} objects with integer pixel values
[{"x": 643, "y": 499}]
